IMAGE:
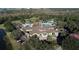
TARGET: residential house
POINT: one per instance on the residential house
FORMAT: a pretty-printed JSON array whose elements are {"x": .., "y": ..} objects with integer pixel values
[{"x": 41, "y": 29}]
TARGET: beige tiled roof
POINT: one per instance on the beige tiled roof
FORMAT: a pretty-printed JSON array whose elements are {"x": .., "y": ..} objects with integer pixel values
[{"x": 36, "y": 28}]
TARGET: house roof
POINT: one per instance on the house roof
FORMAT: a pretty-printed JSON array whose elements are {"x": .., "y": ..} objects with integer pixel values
[
  {"x": 74, "y": 35},
  {"x": 38, "y": 28}
]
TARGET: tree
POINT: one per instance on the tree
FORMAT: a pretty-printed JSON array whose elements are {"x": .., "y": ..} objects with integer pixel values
[
  {"x": 70, "y": 43},
  {"x": 16, "y": 34},
  {"x": 9, "y": 26},
  {"x": 35, "y": 43},
  {"x": 64, "y": 39},
  {"x": 23, "y": 21}
]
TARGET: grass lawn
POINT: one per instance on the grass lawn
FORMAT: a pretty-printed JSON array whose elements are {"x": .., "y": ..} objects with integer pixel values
[
  {"x": 15, "y": 45},
  {"x": 17, "y": 21},
  {"x": 2, "y": 26}
]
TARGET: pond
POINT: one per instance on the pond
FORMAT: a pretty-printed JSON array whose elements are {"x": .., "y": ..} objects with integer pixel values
[
  {"x": 2, "y": 34},
  {"x": 2, "y": 41}
]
